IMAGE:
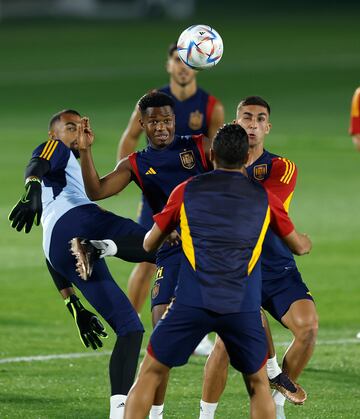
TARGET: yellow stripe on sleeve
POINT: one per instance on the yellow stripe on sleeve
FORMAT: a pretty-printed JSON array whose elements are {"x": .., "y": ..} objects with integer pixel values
[
  {"x": 186, "y": 239},
  {"x": 286, "y": 170},
  {"x": 287, "y": 202},
  {"x": 291, "y": 172},
  {"x": 51, "y": 151},
  {"x": 46, "y": 148},
  {"x": 257, "y": 249}
]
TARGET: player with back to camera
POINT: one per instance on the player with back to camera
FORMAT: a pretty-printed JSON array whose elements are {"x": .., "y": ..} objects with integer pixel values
[
  {"x": 197, "y": 112},
  {"x": 219, "y": 272},
  {"x": 54, "y": 191},
  {"x": 284, "y": 295}
]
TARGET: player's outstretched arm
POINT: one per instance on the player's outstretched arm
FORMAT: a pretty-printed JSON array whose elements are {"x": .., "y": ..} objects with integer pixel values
[
  {"x": 166, "y": 220},
  {"x": 29, "y": 208},
  {"x": 299, "y": 243},
  {"x": 280, "y": 222},
  {"x": 154, "y": 238},
  {"x": 130, "y": 138},
  {"x": 96, "y": 187}
]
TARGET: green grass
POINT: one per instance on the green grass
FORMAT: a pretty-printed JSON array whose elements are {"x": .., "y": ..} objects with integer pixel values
[{"x": 307, "y": 68}]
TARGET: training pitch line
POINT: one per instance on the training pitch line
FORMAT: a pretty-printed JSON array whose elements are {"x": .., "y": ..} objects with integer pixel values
[{"x": 106, "y": 353}]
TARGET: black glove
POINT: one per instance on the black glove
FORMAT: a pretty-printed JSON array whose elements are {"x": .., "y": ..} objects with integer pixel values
[
  {"x": 89, "y": 326},
  {"x": 28, "y": 208}
]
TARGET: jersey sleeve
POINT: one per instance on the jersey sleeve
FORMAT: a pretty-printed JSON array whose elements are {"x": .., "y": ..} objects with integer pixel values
[
  {"x": 135, "y": 170},
  {"x": 199, "y": 141},
  {"x": 55, "y": 152},
  {"x": 280, "y": 222},
  {"x": 210, "y": 108},
  {"x": 355, "y": 113},
  {"x": 168, "y": 219},
  {"x": 282, "y": 180}
]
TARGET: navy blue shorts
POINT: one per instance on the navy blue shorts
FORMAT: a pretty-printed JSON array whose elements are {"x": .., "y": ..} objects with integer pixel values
[
  {"x": 145, "y": 214},
  {"x": 178, "y": 333},
  {"x": 166, "y": 279},
  {"x": 278, "y": 294},
  {"x": 100, "y": 290}
]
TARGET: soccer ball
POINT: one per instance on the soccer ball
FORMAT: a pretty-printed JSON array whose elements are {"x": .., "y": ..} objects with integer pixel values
[{"x": 200, "y": 47}]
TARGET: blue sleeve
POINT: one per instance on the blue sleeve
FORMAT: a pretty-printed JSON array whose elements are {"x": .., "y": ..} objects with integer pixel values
[{"x": 55, "y": 152}]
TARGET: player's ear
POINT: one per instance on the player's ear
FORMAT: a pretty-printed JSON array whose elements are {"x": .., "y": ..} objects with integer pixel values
[
  {"x": 51, "y": 135},
  {"x": 167, "y": 65},
  {"x": 211, "y": 155},
  {"x": 141, "y": 122},
  {"x": 268, "y": 128}
]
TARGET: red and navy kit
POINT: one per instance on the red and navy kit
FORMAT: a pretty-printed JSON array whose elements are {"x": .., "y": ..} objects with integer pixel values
[
  {"x": 193, "y": 116},
  {"x": 223, "y": 219},
  {"x": 157, "y": 173},
  {"x": 277, "y": 175},
  {"x": 282, "y": 283},
  {"x": 354, "y": 128}
]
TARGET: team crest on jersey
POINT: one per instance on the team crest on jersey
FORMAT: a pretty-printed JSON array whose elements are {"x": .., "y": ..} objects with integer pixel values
[
  {"x": 155, "y": 290},
  {"x": 260, "y": 171},
  {"x": 195, "y": 120},
  {"x": 187, "y": 159}
]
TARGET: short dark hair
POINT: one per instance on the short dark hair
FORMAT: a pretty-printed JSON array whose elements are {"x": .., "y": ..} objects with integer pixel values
[
  {"x": 58, "y": 115},
  {"x": 253, "y": 100},
  {"x": 172, "y": 47},
  {"x": 155, "y": 99},
  {"x": 231, "y": 146}
]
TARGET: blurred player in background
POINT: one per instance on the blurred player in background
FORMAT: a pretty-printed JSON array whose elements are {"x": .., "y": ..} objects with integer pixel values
[
  {"x": 54, "y": 191},
  {"x": 354, "y": 129},
  {"x": 284, "y": 295},
  {"x": 197, "y": 112},
  {"x": 219, "y": 272}
]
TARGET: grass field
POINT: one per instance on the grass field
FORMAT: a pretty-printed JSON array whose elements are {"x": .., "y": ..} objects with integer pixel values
[{"x": 307, "y": 68}]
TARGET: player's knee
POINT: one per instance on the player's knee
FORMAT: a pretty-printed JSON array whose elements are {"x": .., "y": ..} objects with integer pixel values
[
  {"x": 152, "y": 370},
  {"x": 306, "y": 329}
]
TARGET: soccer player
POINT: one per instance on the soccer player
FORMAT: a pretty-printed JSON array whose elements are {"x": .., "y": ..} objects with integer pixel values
[
  {"x": 223, "y": 218},
  {"x": 284, "y": 295},
  {"x": 168, "y": 160},
  {"x": 354, "y": 129},
  {"x": 54, "y": 191},
  {"x": 197, "y": 112}
]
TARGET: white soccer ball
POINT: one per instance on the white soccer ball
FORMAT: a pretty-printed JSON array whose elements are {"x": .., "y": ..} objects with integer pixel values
[{"x": 200, "y": 47}]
